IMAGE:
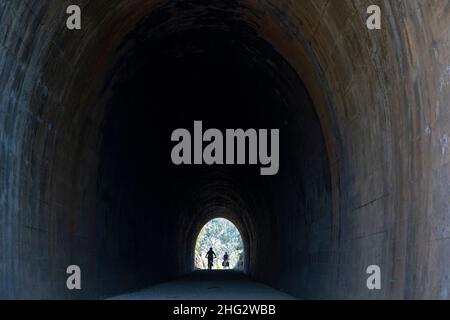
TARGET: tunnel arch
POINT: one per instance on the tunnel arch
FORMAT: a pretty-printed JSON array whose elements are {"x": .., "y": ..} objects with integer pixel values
[
  {"x": 170, "y": 71},
  {"x": 386, "y": 148}
]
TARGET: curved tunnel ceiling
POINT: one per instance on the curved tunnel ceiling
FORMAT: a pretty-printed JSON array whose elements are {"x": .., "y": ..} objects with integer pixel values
[{"x": 86, "y": 119}]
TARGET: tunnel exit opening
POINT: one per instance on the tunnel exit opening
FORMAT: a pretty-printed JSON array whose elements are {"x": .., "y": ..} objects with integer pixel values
[{"x": 224, "y": 239}]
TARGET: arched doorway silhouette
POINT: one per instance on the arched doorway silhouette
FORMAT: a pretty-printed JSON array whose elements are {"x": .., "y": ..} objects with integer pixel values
[{"x": 223, "y": 237}]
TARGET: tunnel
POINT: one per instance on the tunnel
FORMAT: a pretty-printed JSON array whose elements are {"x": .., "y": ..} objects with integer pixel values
[{"x": 86, "y": 118}]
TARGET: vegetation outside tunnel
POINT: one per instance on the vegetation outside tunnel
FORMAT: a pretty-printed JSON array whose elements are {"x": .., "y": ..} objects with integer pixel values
[{"x": 223, "y": 236}]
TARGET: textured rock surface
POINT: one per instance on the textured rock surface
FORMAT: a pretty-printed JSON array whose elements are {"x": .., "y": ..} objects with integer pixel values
[{"x": 366, "y": 181}]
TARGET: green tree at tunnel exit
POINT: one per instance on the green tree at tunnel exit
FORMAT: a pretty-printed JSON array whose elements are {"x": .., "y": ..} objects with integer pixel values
[{"x": 222, "y": 236}]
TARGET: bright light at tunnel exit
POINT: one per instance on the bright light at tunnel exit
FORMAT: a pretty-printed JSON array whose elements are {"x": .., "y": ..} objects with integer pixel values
[{"x": 223, "y": 236}]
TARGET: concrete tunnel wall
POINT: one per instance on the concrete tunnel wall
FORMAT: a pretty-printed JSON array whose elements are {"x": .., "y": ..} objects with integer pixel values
[{"x": 364, "y": 175}]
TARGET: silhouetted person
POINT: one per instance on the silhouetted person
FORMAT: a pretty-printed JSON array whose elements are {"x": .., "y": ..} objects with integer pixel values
[
  {"x": 210, "y": 255},
  {"x": 225, "y": 263}
]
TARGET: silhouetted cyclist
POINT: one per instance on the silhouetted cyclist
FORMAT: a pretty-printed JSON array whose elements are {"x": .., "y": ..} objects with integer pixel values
[
  {"x": 210, "y": 255},
  {"x": 225, "y": 263}
]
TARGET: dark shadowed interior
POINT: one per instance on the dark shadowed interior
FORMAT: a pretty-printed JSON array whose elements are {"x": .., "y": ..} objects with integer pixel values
[
  {"x": 227, "y": 76},
  {"x": 86, "y": 118}
]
